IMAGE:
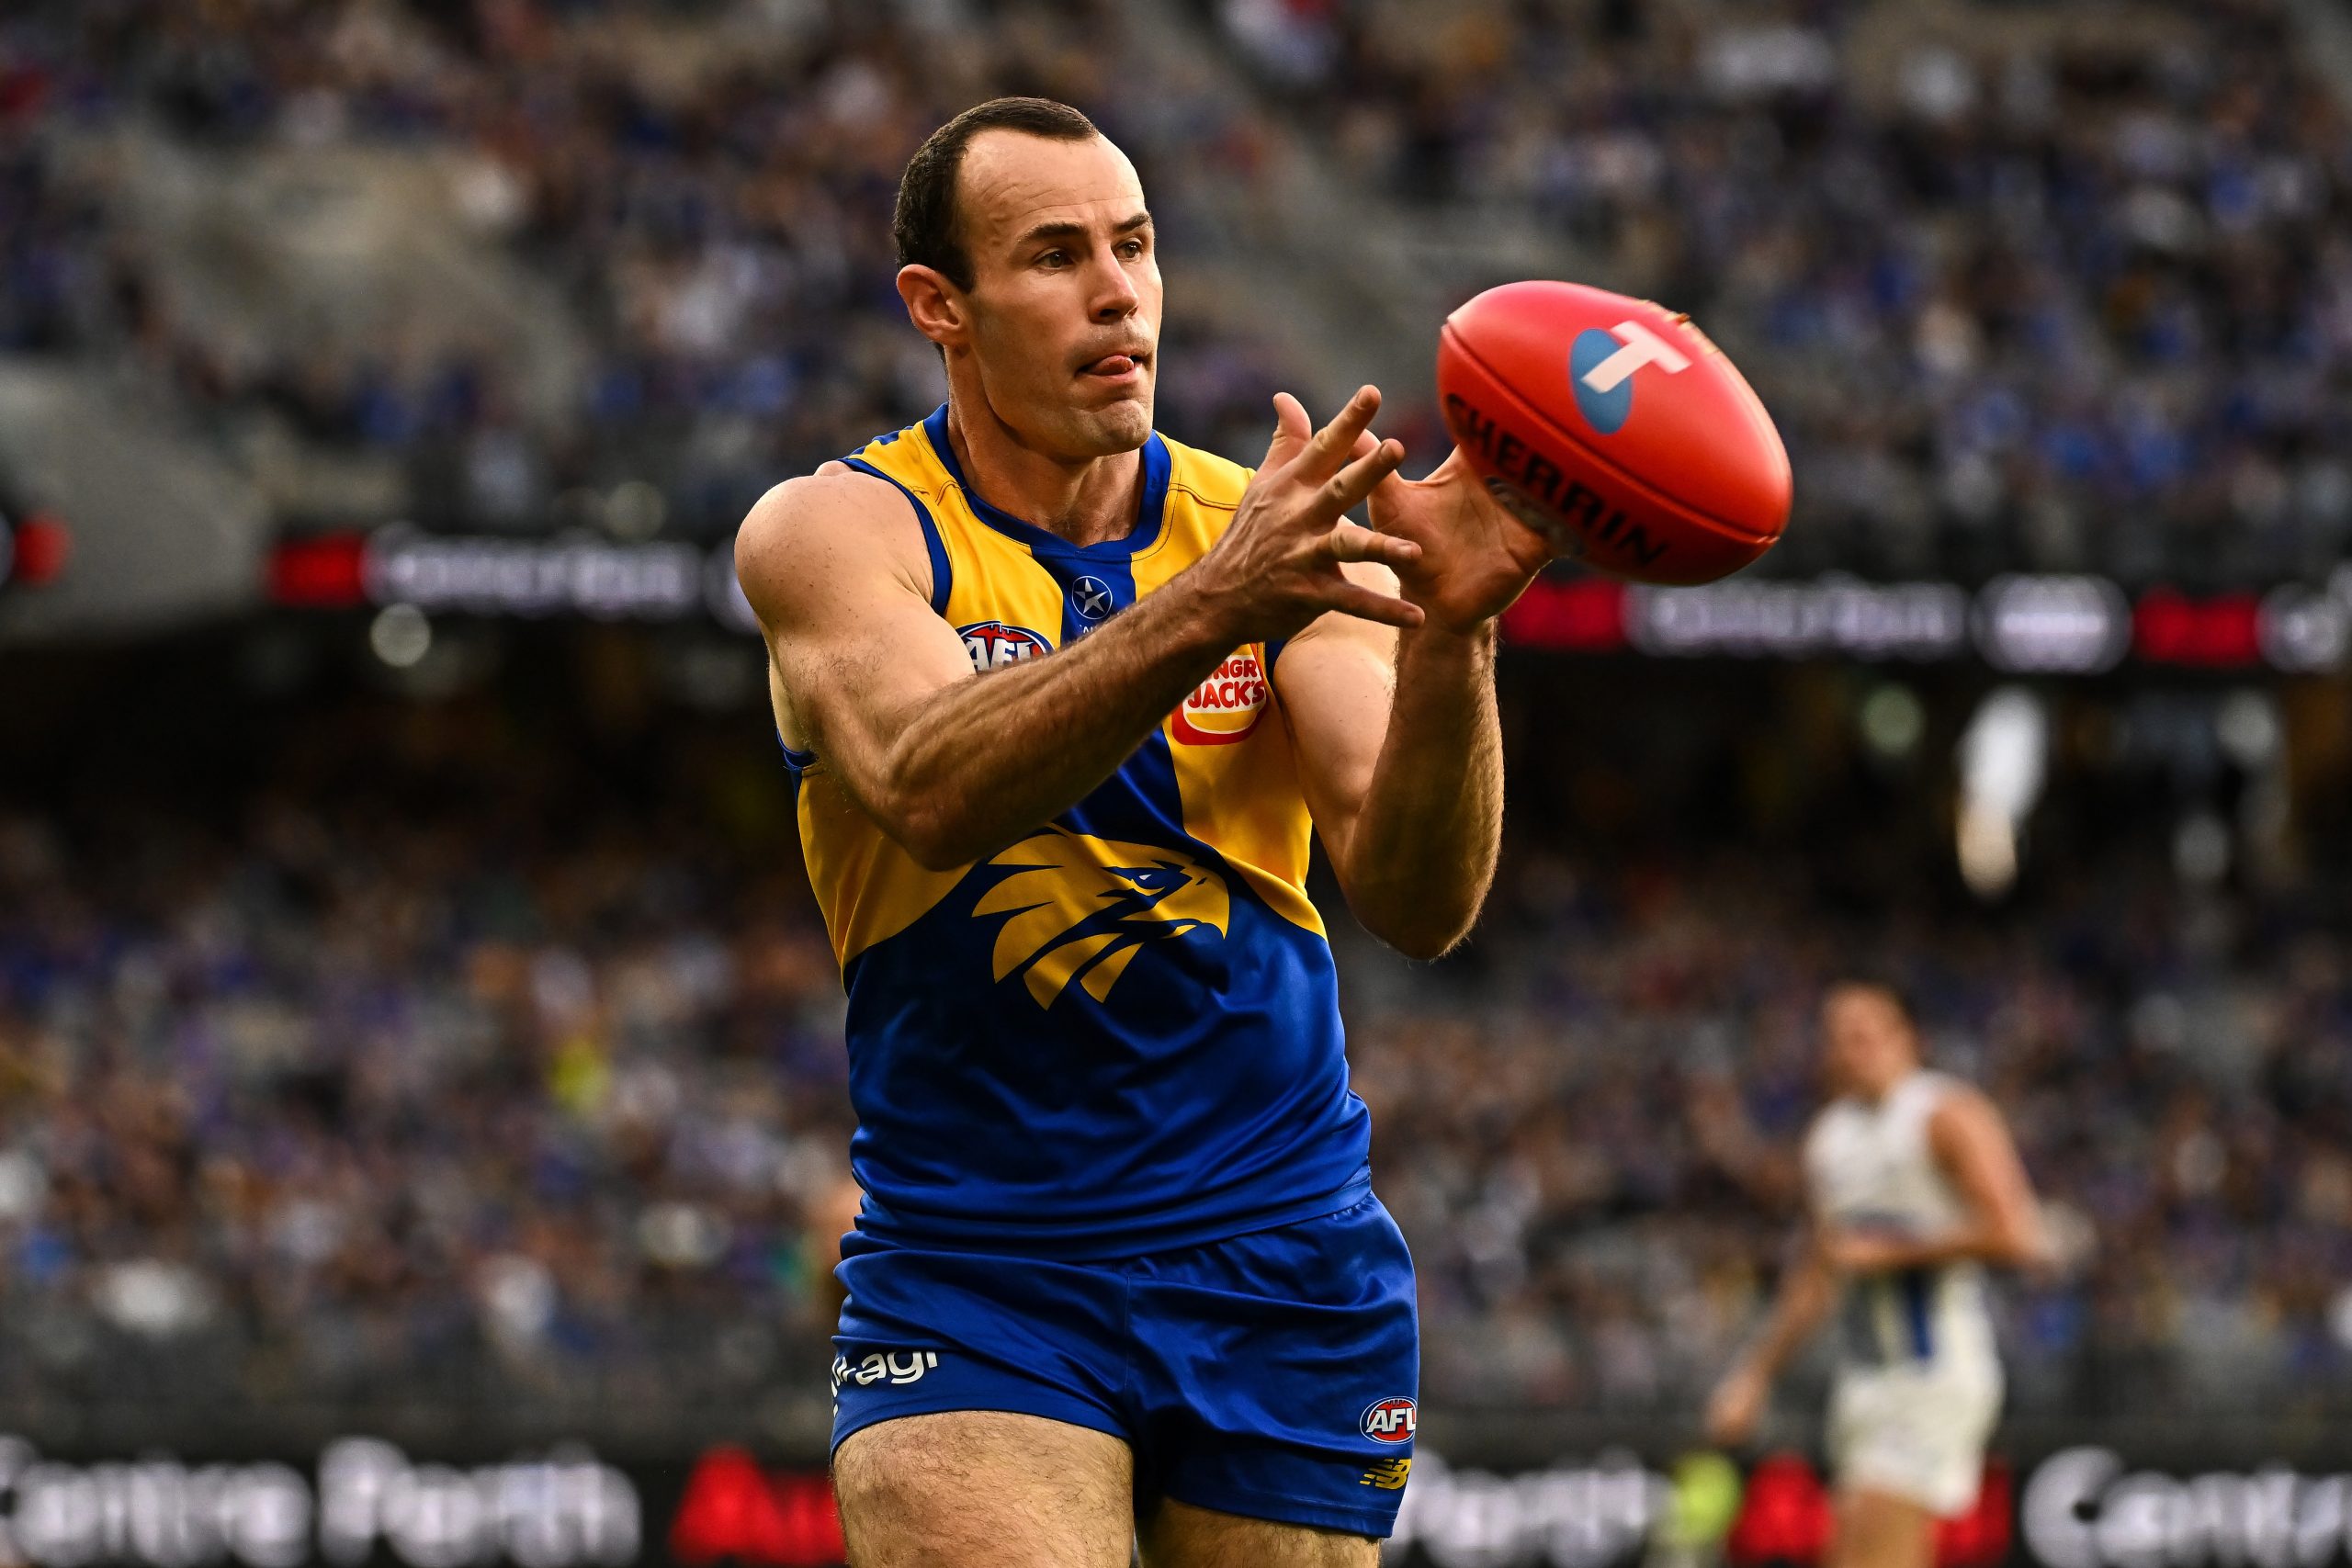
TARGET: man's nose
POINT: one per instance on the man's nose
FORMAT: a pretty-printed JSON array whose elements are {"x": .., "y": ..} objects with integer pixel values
[{"x": 1115, "y": 297}]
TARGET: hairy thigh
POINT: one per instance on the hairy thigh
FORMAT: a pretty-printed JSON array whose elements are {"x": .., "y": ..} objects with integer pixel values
[
  {"x": 985, "y": 1489},
  {"x": 1178, "y": 1535}
]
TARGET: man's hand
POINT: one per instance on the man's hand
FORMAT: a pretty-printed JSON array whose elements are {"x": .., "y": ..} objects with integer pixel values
[
  {"x": 1737, "y": 1406},
  {"x": 1863, "y": 1252},
  {"x": 1475, "y": 557},
  {"x": 1399, "y": 746},
  {"x": 1277, "y": 567}
]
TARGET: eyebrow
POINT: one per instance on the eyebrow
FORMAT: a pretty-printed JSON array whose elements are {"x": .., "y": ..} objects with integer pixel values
[{"x": 1077, "y": 230}]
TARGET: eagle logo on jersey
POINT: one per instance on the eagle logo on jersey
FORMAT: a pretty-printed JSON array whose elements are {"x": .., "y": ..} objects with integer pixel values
[{"x": 1085, "y": 907}]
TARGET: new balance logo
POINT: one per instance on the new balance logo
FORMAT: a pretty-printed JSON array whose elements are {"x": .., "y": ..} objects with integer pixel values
[{"x": 1388, "y": 1477}]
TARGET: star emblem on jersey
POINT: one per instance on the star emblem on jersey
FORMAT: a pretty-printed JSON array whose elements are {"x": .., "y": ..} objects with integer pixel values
[
  {"x": 1082, "y": 907},
  {"x": 1092, "y": 598}
]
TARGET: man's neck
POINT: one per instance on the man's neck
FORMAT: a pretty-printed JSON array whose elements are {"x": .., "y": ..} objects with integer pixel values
[
  {"x": 1877, "y": 1095},
  {"x": 1086, "y": 503}
]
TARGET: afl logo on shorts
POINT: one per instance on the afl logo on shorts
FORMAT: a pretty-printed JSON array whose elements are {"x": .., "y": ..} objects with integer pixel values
[
  {"x": 1389, "y": 1421},
  {"x": 1226, "y": 706},
  {"x": 993, "y": 645}
]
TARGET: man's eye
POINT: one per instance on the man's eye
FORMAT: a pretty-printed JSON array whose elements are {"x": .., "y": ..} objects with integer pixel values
[
  {"x": 1054, "y": 258},
  {"x": 1131, "y": 248}
]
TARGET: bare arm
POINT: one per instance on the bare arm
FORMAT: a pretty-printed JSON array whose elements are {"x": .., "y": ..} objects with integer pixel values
[
  {"x": 954, "y": 766},
  {"x": 1401, "y": 761},
  {"x": 1807, "y": 1295},
  {"x": 882, "y": 690},
  {"x": 1970, "y": 1143},
  {"x": 1422, "y": 851},
  {"x": 1400, "y": 747}
]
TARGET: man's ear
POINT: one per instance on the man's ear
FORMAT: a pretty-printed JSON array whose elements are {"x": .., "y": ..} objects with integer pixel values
[{"x": 933, "y": 304}]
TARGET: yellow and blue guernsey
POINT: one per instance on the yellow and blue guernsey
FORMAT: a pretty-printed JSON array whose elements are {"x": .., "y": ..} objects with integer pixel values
[{"x": 1122, "y": 1033}]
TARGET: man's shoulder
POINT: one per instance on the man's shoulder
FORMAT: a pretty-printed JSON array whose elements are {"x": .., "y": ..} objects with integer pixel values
[
  {"x": 793, "y": 512},
  {"x": 1212, "y": 482},
  {"x": 1948, "y": 1106},
  {"x": 1927, "y": 1094},
  {"x": 837, "y": 519}
]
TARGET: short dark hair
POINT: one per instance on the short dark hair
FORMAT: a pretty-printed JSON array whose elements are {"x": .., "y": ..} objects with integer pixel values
[
  {"x": 927, "y": 226},
  {"x": 1890, "y": 987}
]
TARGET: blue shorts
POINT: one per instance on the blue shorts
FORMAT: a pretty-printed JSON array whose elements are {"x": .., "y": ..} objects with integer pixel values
[{"x": 1271, "y": 1375}]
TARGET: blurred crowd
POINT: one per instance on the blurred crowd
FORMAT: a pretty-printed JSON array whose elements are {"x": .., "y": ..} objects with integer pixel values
[
  {"x": 455, "y": 1064},
  {"x": 432, "y": 1061},
  {"x": 2026, "y": 288},
  {"x": 706, "y": 187},
  {"x": 2033, "y": 286},
  {"x": 1597, "y": 1162}
]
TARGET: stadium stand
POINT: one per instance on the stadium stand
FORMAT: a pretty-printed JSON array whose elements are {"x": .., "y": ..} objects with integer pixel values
[
  {"x": 704, "y": 192},
  {"x": 2024, "y": 291},
  {"x": 2043, "y": 288},
  {"x": 489, "y": 1052}
]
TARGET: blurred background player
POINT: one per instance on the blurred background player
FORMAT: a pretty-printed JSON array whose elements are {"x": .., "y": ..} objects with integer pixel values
[{"x": 1913, "y": 1187}]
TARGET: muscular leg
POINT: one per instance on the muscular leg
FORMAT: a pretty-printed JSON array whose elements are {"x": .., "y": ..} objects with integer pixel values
[
  {"x": 985, "y": 1489},
  {"x": 1181, "y": 1536},
  {"x": 1878, "y": 1529}
]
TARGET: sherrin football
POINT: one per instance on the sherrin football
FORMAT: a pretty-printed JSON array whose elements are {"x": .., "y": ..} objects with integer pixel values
[{"x": 1615, "y": 428}]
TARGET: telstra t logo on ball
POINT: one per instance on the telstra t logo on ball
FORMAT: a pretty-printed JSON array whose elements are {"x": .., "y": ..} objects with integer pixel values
[{"x": 1602, "y": 366}]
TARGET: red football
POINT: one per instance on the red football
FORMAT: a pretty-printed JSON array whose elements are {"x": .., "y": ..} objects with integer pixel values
[{"x": 1616, "y": 428}]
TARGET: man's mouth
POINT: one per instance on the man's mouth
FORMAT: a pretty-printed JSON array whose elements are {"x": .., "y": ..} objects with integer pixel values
[{"x": 1119, "y": 367}]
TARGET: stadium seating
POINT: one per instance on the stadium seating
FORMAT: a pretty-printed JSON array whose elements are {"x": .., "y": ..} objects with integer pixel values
[
  {"x": 480, "y": 1059},
  {"x": 2027, "y": 287},
  {"x": 2023, "y": 293}
]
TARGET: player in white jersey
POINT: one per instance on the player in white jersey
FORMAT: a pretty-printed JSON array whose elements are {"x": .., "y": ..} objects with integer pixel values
[{"x": 1913, "y": 1185}]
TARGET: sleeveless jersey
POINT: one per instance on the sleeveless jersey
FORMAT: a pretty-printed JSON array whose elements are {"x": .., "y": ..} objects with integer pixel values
[
  {"x": 1869, "y": 1167},
  {"x": 1122, "y": 1032}
]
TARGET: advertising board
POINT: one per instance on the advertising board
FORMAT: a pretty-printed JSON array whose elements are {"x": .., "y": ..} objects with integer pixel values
[{"x": 362, "y": 1501}]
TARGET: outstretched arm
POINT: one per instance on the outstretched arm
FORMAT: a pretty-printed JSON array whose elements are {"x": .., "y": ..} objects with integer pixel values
[
  {"x": 1400, "y": 757},
  {"x": 954, "y": 766},
  {"x": 1401, "y": 748},
  {"x": 1807, "y": 1294}
]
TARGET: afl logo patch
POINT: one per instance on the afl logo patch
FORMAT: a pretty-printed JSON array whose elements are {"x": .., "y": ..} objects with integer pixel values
[
  {"x": 993, "y": 645},
  {"x": 1388, "y": 1421},
  {"x": 1226, "y": 706},
  {"x": 1092, "y": 598}
]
